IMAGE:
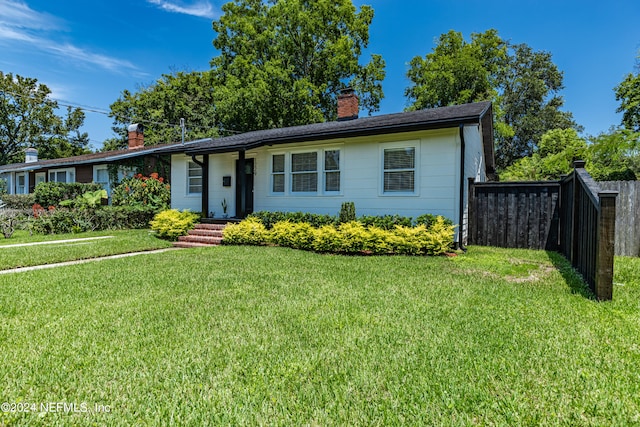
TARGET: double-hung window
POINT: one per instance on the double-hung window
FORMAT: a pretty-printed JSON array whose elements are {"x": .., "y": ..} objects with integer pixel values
[
  {"x": 332, "y": 170},
  {"x": 277, "y": 173},
  {"x": 304, "y": 172},
  {"x": 62, "y": 175},
  {"x": 399, "y": 170},
  {"x": 194, "y": 178},
  {"x": 316, "y": 171}
]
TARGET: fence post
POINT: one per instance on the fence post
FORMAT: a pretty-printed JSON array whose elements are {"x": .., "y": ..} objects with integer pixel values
[
  {"x": 575, "y": 225},
  {"x": 606, "y": 243}
]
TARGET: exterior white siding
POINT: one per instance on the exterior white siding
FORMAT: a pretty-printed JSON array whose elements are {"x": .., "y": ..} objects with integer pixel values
[{"x": 437, "y": 177}]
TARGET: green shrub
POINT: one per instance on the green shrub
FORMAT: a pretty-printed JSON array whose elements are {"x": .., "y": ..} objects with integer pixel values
[
  {"x": 52, "y": 193},
  {"x": 251, "y": 231},
  {"x": 88, "y": 200},
  {"x": 140, "y": 190},
  {"x": 172, "y": 223},
  {"x": 123, "y": 217},
  {"x": 10, "y": 219},
  {"x": 270, "y": 218},
  {"x": 297, "y": 235},
  {"x": 347, "y": 212},
  {"x": 429, "y": 219},
  {"x": 18, "y": 201},
  {"x": 59, "y": 221},
  {"x": 386, "y": 222}
]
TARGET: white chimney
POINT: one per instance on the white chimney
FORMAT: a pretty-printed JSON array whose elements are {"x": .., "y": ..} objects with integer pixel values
[{"x": 31, "y": 155}]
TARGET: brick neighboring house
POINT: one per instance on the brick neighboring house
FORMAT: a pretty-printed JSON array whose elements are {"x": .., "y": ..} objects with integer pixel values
[{"x": 21, "y": 178}]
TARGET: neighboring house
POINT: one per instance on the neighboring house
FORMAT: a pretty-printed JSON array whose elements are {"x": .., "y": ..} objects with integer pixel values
[
  {"x": 407, "y": 163},
  {"x": 21, "y": 178}
]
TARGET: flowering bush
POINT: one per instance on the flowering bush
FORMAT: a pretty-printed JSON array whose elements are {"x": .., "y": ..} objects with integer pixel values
[{"x": 140, "y": 190}]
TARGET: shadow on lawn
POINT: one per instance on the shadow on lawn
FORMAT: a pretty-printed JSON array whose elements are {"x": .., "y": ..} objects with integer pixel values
[{"x": 575, "y": 281}]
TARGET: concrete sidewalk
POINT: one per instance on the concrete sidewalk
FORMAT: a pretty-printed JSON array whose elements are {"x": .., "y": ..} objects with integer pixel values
[{"x": 83, "y": 261}]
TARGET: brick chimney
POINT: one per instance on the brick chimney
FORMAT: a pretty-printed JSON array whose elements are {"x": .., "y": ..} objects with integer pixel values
[
  {"x": 347, "y": 105},
  {"x": 31, "y": 155},
  {"x": 136, "y": 136}
]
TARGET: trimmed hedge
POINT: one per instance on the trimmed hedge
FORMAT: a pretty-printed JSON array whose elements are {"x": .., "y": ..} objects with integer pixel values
[
  {"x": 351, "y": 237},
  {"x": 58, "y": 221},
  {"x": 52, "y": 193},
  {"x": 18, "y": 201},
  {"x": 346, "y": 214}
]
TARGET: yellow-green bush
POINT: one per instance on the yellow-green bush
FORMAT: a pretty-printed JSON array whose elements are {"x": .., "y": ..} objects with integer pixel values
[
  {"x": 327, "y": 239},
  {"x": 251, "y": 231},
  {"x": 440, "y": 237},
  {"x": 351, "y": 237},
  {"x": 171, "y": 223},
  {"x": 297, "y": 235}
]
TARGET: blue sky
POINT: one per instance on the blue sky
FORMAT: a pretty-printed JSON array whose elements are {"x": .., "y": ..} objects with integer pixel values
[{"x": 89, "y": 52}]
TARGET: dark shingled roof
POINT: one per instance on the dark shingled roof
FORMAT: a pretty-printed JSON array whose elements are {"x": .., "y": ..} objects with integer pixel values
[
  {"x": 94, "y": 158},
  {"x": 433, "y": 118}
]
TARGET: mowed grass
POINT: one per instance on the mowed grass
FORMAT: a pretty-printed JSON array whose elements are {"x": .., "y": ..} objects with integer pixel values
[
  {"x": 273, "y": 336},
  {"x": 121, "y": 241}
]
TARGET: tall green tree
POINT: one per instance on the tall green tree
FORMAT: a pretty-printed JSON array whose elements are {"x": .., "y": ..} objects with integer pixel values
[
  {"x": 523, "y": 85},
  {"x": 628, "y": 93},
  {"x": 282, "y": 62},
  {"x": 161, "y": 105},
  {"x": 553, "y": 157},
  {"x": 615, "y": 155},
  {"x": 28, "y": 118}
]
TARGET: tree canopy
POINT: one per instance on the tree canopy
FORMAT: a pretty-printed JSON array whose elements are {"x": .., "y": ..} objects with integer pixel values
[
  {"x": 161, "y": 105},
  {"x": 281, "y": 63},
  {"x": 28, "y": 118},
  {"x": 553, "y": 157},
  {"x": 628, "y": 93},
  {"x": 522, "y": 83}
]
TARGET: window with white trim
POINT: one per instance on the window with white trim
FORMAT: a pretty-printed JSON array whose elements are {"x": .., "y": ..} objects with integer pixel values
[
  {"x": 399, "y": 170},
  {"x": 332, "y": 170},
  {"x": 102, "y": 177},
  {"x": 62, "y": 175},
  {"x": 315, "y": 171},
  {"x": 304, "y": 172},
  {"x": 21, "y": 184},
  {"x": 277, "y": 173},
  {"x": 194, "y": 178}
]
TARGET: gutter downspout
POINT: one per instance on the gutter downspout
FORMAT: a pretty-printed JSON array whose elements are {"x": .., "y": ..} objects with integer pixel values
[
  {"x": 462, "y": 184},
  {"x": 204, "y": 165}
]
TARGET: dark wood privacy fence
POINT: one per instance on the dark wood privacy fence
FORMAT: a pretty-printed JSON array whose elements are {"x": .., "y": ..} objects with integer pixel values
[
  {"x": 514, "y": 214},
  {"x": 571, "y": 216},
  {"x": 627, "y": 216}
]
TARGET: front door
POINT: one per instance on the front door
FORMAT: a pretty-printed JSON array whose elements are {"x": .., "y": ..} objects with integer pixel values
[{"x": 245, "y": 194}]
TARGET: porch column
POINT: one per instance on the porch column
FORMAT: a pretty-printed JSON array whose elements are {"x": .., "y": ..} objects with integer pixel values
[{"x": 242, "y": 185}]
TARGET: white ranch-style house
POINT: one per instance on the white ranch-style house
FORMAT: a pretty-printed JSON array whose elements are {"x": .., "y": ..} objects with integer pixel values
[{"x": 407, "y": 163}]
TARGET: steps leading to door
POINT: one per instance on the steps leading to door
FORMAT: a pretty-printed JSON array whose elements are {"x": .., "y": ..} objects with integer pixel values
[{"x": 201, "y": 235}]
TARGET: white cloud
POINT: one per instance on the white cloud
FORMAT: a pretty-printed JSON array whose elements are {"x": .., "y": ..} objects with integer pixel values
[
  {"x": 23, "y": 25},
  {"x": 202, "y": 9}
]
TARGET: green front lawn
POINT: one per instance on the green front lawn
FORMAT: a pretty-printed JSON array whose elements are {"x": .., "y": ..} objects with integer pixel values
[
  {"x": 273, "y": 336},
  {"x": 123, "y": 241}
]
